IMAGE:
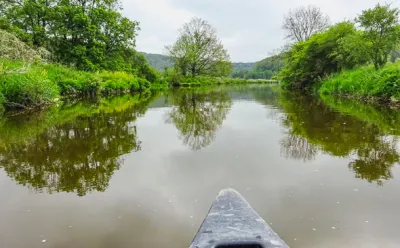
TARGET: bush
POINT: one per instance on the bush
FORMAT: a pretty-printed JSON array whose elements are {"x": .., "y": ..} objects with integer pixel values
[{"x": 122, "y": 81}]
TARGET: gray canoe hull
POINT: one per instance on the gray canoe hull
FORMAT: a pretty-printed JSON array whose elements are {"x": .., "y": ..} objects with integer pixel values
[{"x": 232, "y": 222}]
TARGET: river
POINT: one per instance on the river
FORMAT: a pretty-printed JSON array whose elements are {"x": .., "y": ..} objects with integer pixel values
[{"x": 143, "y": 170}]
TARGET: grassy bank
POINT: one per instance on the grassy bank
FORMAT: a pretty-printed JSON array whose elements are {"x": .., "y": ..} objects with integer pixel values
[
  {"x": 365, "y": 83},
  {"x": 28, "y": 85}
]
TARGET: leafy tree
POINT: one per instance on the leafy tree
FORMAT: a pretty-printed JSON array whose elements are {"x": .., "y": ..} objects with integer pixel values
[
  {"x": 303, "y": 22},
  {"x": 381, "y": 32},
  {"x": 93, "y": 35},
  {"x": 198, "y": 51},
  {"x": 28, "y": 19},
  {"x": 352, "y": 50}
]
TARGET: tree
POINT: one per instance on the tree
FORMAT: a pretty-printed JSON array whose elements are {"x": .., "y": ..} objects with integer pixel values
[
  {"x": 198, "y": 51},
  {"x": 303, "y": 22},
  {"x": 88, "y": 34},
  {"x": 28, "y": 19},
  {"x": 92, "y": 35},
  {"x": 381, "y": 32}
]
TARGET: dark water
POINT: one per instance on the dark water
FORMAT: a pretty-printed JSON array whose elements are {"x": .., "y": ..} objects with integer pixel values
[{"x": 142, "y": 171}]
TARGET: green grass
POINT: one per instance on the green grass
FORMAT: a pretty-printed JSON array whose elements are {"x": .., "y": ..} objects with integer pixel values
[
  {"x": 365, "y": 82},
  {"x": 25, "y": 86},
  {"x": 22, "y": 85}
]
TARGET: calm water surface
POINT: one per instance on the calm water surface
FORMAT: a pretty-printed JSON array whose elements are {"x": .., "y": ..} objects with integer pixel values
[{"x": 142, "y": 171}]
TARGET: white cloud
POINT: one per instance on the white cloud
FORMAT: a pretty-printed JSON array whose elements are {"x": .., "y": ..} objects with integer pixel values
[{"x": 249, "y": 29}]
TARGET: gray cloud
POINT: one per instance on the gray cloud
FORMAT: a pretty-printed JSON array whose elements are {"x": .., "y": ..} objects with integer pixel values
[{"x": 250, "y": 30}]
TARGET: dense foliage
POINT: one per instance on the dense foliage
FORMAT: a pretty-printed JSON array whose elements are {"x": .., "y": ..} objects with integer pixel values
[
  {"x": 319, "y": 56},
  {"x": 88, "y": 34}
]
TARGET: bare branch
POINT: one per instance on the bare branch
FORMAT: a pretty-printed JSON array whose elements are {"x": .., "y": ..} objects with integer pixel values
[{"x": 303, "y": 22}]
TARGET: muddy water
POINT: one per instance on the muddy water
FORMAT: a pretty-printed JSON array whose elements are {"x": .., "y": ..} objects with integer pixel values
[{"x": 142, "y": 171}]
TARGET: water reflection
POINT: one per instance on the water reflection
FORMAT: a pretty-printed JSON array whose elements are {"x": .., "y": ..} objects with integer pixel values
[
  {"x": 77, "y": 155},
  {"x": 197, "y": 114},
  {"x": 78, "y": 146},
  {"x": 315, "y": 126}
]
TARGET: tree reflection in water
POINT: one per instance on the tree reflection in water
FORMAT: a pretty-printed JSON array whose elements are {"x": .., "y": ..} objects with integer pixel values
[
  {"x": 197, "y": 114},
  {"x": 81, "y": 154},
  {"x": 313, "y": 127}
]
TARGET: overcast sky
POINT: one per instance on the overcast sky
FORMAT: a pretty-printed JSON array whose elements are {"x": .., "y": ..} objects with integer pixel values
[{"x": 249, "y": 29}]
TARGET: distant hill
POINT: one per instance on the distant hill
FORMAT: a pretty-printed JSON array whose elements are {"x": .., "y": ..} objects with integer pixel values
[
  {"x": 244, "y": 66},
  {"x": 265, "y": 68},
  {"x": 158, "y": 61}
]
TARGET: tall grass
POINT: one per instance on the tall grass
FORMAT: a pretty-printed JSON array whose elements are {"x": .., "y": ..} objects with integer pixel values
[
  {"x": 365, "y": 82},
  {"x": 25, "y": 86}
]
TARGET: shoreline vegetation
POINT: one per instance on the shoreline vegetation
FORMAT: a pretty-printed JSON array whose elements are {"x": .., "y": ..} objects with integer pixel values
[
  {"x": 365, "y": 84},
  {"x": 357, "y": 59}
]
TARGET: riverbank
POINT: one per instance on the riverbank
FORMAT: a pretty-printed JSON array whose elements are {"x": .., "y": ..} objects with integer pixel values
[
  {"x": 31, "y": 85},
  {"x": 365, "y": 83}
]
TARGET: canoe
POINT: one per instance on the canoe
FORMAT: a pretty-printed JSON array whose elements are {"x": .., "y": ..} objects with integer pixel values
[{"x": 232, "y": 222}]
